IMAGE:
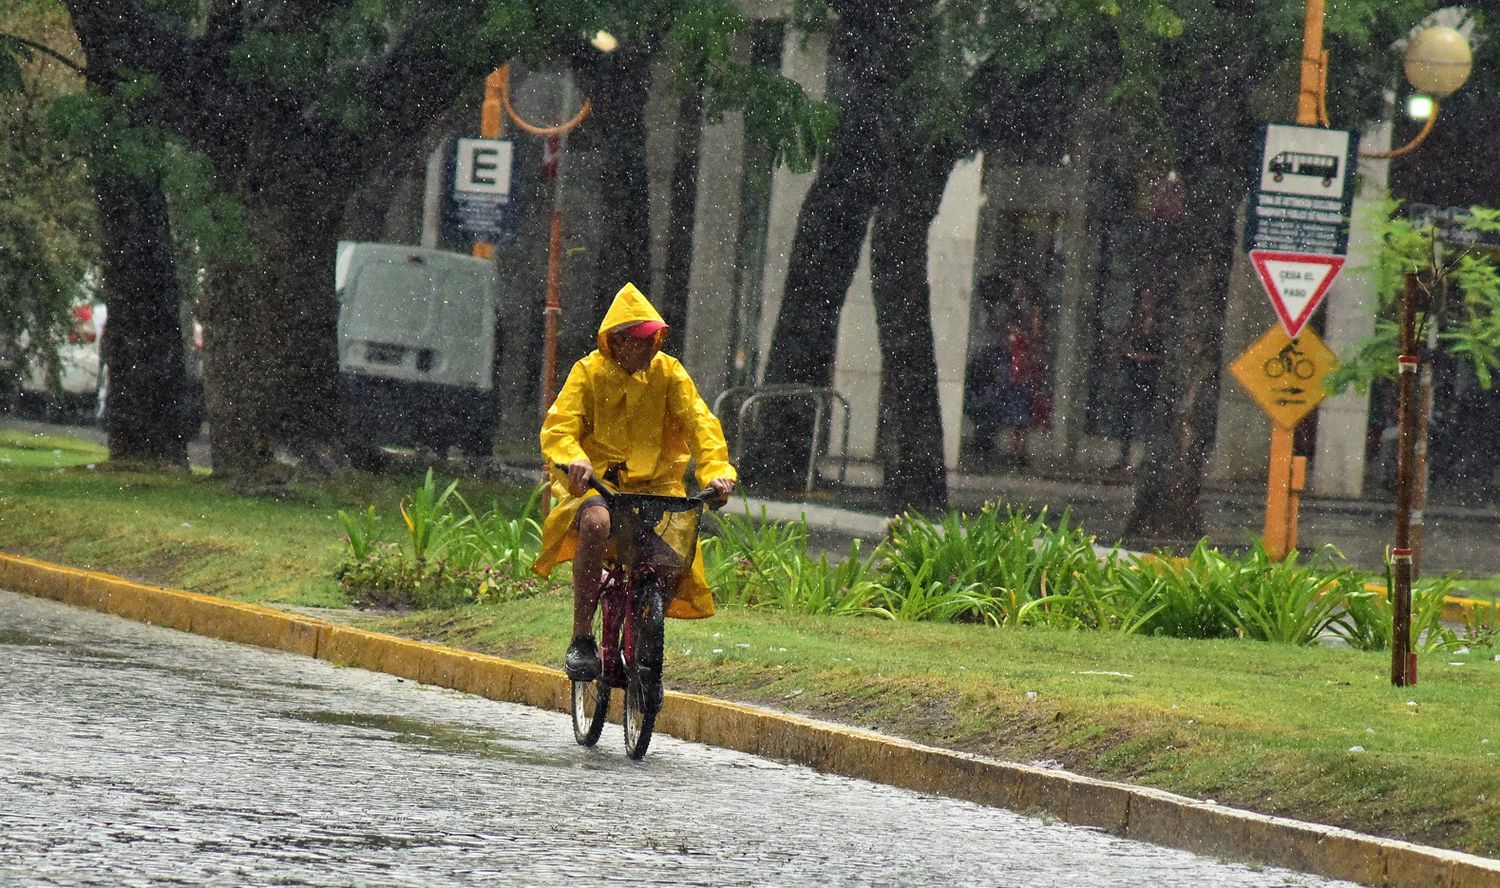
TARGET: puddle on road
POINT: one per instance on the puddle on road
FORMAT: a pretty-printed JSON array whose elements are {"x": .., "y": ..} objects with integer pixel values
[
  {"x": 482, "y": 743},
  {"x": 13, "y": 638}
]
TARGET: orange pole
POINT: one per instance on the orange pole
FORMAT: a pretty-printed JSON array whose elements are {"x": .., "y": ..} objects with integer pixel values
[
  {"x": 1308, "y": 99},
  {"x": 1278, "y": 493},
  {"x": 1281, "y": 503},
  {"x": 552, "y": 312},
  {"x": 492, "y": 126}
]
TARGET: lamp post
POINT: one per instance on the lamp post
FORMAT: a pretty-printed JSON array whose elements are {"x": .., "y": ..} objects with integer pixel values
[{"x": 1437, "y": 62}]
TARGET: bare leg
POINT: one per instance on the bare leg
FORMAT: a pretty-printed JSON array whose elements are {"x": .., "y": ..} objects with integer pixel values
[{"x": 588, "y": 561}]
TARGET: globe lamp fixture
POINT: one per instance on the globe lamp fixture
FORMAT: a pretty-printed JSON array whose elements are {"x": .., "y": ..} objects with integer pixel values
[
  {"x": 606, "y": 42},
  {"x": 1438, "y": 61}
]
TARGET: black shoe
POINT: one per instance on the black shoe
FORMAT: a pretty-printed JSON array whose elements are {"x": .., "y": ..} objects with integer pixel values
[{"x": 582, "y": 661}]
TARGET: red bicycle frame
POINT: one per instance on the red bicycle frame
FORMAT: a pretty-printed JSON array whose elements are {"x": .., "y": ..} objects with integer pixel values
[{"x": 617, "y": 634}]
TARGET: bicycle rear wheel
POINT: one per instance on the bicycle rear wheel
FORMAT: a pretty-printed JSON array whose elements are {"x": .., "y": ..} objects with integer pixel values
[
  {"x": 643, "y": 690},
  {"x": 590, "y": 706}
]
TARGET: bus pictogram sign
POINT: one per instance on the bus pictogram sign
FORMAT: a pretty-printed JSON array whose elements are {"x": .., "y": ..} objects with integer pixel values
[{"x": 1296, "y": 283}]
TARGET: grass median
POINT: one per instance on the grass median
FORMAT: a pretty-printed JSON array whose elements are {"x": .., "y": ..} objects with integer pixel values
[{"x": 1311, "y": 732}]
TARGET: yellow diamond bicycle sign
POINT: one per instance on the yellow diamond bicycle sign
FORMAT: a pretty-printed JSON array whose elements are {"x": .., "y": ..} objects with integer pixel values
[{"x": 1285, "y": 375}]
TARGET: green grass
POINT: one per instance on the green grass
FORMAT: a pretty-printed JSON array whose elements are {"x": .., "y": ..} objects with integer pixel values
[
  {"x": 60, "y": 500},
  {"x": 1259, "y": 725}
]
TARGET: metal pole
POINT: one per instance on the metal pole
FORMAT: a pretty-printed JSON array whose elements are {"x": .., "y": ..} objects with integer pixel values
[
  {"x": 1281, "y": 517},
  {"x": 553, "y": 310},
  {"x": 492, "y": 126},
  {"x": 1423, "y": 467},
  {"x": 1403, "y": 668}
]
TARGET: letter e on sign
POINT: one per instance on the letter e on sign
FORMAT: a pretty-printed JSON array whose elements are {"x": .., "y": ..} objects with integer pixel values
[{"x": 484, "y": 167}]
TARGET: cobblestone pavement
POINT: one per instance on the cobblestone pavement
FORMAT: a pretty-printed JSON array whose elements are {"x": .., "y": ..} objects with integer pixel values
[{"x": 134, "y": 755}]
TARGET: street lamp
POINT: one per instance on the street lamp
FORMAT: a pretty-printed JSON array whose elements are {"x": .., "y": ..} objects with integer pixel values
[{"x": 1437, "y": 63}]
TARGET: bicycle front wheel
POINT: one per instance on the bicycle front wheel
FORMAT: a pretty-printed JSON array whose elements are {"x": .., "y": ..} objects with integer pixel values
[
  {"x": 590, "y": 706},
  {"x": 643, "y": 689}
]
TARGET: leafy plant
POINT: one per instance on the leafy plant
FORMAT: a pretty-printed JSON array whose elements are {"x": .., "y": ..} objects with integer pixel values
[
  {"x": 744, "y": 556},
  {"x": 1470, "y": 323},
  {"x": 1372, "y": 617},
  {"x": 450, "y": 558},
  {"x": 1289, "y": 602},
  {"x": 499, "y": 542},
  {"x": 1190, "y": 601},
  {"x": 1482, "y": 623},
  {"x": 806, "y": 586},
  {"x": 428, "y": 519},
  {"x": 1002, "y": 564},
  {"x": 1126, "y": 599},
  {"x": 360, "y": 532}
]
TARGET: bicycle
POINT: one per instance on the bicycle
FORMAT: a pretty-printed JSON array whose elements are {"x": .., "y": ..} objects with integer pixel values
[
  {"x": 1289, "y": 360},
  {"x": 652, "y": 539}
]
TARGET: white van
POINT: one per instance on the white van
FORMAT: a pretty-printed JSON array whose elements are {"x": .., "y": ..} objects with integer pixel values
[
  {"x": 66, "y": 388},
  {"x": 416, "y": 338}
]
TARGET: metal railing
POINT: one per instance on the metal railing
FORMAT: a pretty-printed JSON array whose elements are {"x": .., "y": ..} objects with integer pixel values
[{"x": 823, "y": 398}]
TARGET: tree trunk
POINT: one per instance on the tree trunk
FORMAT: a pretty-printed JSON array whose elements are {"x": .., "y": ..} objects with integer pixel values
[
  {"x": 1215, "y": 133},
  {"x": 1170, "y": 482},
  {"x": 682, "y": 209},
  {"x": 143, "y": 349},
  {"x": 831, "y": 226},
  {"x": 911, "y": 424},
  {"x": 270, "y": 325},
  {"x": 143, "y": 336},
  {"x": 618, "y": 84}
]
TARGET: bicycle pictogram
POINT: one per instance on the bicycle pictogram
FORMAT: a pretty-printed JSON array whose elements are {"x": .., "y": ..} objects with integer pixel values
[{"x": 1290, "y": 360}]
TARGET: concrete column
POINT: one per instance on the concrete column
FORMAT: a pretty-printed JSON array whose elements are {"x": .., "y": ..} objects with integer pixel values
[
  {"x": 805, "y": 60},
  {"x": 716, "y": 251},
  {"x": 1242, "y": 444},
  {"x": 950, "y": 270},
  {"x": 432, "y": 200},
  {"x": 1338, "y": 468}
]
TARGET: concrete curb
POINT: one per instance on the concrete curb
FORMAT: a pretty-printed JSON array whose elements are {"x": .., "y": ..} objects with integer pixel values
[{"x": 1144, "y": 814}]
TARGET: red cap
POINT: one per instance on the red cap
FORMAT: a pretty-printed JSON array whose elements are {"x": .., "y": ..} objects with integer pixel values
[{"x": 646, "y": 329}]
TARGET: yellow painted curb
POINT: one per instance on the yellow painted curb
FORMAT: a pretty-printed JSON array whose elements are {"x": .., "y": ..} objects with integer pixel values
[{"x": 1144, "y": 814}]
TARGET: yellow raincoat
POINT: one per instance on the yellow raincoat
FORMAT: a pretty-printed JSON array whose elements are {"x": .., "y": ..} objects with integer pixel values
[{"x": 651, "y": 422}]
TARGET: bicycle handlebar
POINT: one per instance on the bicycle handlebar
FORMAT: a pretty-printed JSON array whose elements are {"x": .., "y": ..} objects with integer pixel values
[{"x": 708, "y": 496}]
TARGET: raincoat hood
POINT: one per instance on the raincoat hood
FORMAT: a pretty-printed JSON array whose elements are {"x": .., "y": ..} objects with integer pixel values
[{"x": 630, "y": 307}]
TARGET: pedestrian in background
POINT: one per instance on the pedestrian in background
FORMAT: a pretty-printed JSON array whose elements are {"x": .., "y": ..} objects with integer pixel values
[
  {"x": 1139, "y": 362},
  {"x": 1022, "y": 397}
]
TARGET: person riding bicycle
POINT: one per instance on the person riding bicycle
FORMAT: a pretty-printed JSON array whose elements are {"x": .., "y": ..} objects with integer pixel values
[{"x": 632, "y": 414}]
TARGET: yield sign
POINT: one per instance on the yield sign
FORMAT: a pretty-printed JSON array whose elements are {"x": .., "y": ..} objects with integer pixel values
[{"x": 1296, "y": 283}]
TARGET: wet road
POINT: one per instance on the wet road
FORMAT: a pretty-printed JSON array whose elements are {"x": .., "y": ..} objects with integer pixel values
[{"x": 133, "y": 755}]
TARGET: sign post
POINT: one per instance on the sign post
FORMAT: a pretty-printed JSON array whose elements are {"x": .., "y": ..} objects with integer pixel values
[
  {"x": 1285, "y": 377},
  {"x": 1297, "y": 232}
]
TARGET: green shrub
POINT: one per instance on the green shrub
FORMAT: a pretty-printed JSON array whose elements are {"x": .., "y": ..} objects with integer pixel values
[
  {"x": 1006, "y": 570},
  {"x": 1290, "y": 602},
  {"x": 765, "y": 564},
  {"x": 497, "y": 541},
  {"x": 1194, "y": 597},
  {"x": 1372, "y": 617},
  {"x": 387, "y": 578},
  {"x": 450, "y": 557}
]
